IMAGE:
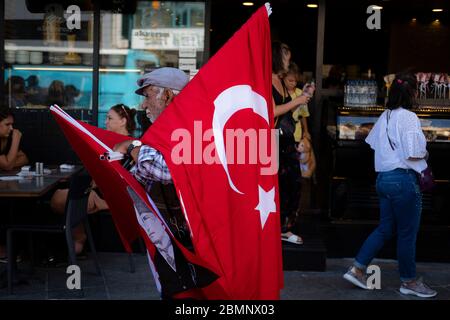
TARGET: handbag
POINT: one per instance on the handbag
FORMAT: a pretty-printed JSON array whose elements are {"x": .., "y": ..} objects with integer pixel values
[
  {"x": 286, "y": 125},
  {"x": 424, "y": 178}
]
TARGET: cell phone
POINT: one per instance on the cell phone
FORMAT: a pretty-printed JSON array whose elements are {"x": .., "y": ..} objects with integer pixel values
[{"x": 309, "y": 89}]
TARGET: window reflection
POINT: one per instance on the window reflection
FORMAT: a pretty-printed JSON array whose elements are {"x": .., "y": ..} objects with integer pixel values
[
  {"x": 158, "y": 34},
  {"x": 45, "y": 62}
]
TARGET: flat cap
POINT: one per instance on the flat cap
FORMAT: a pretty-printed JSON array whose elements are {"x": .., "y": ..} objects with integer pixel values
[{"x": 166, "y": 77}]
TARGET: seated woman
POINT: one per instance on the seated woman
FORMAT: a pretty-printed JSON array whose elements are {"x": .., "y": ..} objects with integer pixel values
[
  {"x": 120, "y": 119},
  {"x": 10, "y": 154}
]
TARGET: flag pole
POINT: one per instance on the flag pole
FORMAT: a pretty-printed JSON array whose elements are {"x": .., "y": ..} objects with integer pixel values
[{"x": 268, "y": 8}]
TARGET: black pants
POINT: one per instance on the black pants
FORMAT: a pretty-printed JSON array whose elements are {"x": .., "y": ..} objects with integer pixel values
[{"x": 289, "y": 180}]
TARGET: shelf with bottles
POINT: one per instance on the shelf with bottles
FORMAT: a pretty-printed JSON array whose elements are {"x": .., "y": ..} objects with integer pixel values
[
  {"x": 65, "y": 68},
  {"x": 67, "y": 60},
  {"x": 62, "y": 55},
  {"x": 360, "y": 93},
  {"x": 63, "y": 47}
]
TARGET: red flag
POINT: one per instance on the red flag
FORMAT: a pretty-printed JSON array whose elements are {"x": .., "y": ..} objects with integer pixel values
[
  {"x": 121, "y": 211},
  {"x": 232, "y": 208},
  {"x": 132, "y": 210}
]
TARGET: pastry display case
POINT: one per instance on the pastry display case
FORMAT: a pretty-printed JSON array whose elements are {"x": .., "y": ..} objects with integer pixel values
[
  {"x": 354, "y": 123},
  {"x": 352, "y": 176}
]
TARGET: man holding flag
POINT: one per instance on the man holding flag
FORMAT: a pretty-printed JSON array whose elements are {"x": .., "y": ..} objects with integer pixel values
[
  {"x": 171, "y": 270},
  {"x": 159, "y": 87},
  {"x": 228, "y": 209}
]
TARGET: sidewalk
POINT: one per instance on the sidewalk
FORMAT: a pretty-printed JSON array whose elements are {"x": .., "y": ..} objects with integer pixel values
[
  {"x": 330, "y": 285},
  {"x": 117, "y": 282}
]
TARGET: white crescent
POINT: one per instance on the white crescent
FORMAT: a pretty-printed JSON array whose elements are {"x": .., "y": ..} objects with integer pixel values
[{"x": 227, "y": 103}]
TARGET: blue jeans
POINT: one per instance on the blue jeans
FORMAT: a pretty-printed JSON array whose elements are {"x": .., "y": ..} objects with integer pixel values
[{"x": 400, "y": 210}]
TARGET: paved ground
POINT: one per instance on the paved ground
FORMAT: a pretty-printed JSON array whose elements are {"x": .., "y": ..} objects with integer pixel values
[
  {"x": 116, "y": 282},
  {"x": 329, "y": 285}
]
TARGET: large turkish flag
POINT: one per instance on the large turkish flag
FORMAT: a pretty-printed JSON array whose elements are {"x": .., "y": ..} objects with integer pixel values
[{"x": 228, "y": 194}]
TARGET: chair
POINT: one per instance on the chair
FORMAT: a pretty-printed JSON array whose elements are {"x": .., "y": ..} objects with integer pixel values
[
  {"x": 106, "y": 214},
  {"x": 75, "y": 213}
]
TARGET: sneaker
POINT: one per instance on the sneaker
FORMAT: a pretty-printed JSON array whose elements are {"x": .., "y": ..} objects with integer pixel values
[
  {"x": 356, "y": 279},
  {"x": 417, "y": 288}
]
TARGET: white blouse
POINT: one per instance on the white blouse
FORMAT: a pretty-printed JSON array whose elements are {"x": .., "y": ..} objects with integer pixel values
[{"x": 407, "y": 138}]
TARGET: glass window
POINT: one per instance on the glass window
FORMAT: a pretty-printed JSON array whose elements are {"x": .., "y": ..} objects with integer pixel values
[
  {"x": 352, "y": 49},
  {"x": 157, "y": 34},
  {"x": 48, "y": 56}
]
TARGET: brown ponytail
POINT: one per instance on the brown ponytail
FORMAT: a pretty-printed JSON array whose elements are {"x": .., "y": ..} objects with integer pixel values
[{"x": 402, "y": 92}]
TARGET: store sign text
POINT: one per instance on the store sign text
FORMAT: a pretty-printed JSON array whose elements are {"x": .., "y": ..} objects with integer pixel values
[{"x": 168, "y": 39}]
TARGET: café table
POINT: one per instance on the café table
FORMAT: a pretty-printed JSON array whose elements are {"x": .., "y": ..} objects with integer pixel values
[
  {"x": 14, "y": 188},
  {"x": 32, "y": 186}
]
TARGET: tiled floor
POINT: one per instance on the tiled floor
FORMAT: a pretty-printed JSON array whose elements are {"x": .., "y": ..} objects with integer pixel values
[
  {"x": 116, "y": 282},
  {"x": 330, "y": 285}
]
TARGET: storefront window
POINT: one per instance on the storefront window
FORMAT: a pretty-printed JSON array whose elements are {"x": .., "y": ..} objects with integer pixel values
[
  {"x": 352, "y": 50},
  {"x": 48, "y": 60},
  {"x": 158, "y": 34}
]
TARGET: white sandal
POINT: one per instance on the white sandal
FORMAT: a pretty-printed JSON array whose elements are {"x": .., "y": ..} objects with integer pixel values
[{"x": 292, "y": 238}]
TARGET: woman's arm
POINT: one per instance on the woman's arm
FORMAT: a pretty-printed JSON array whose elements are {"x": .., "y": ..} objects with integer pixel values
[
  {"x": 283, "y": 108},
  {"x": 417, "y": 159},
  {"x": 21, "y": 159},
  {"x": 414, "y": 143},
  {"x": 7, "y": 161},
  {"x": 306, "y": 133}
]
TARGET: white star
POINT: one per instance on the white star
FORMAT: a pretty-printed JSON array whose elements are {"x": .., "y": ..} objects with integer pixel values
[{"x": 266, "y": 204}]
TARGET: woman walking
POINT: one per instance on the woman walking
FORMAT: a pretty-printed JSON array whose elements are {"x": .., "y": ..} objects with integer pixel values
[{"x": 400, "y": 154}]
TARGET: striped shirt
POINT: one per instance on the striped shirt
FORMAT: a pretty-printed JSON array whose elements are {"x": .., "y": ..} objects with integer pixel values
[{"x": 150, "y": 167}]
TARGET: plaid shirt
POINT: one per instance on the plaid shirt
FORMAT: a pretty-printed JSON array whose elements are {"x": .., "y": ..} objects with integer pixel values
[{"x": 150, "y": 167}]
